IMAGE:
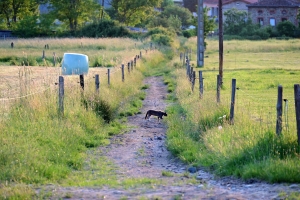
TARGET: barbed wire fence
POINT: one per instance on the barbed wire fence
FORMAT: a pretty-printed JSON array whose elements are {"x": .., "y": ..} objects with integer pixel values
[
  {"x": 258, "y": 108},
  {"x": 27, "y": 83}
]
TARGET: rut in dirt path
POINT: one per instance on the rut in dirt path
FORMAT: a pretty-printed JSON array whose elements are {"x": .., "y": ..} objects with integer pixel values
[{"x": 142, "y": 151}]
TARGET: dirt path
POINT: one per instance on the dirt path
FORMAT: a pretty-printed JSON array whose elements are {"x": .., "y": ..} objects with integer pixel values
[{"x": 142, "y": 153}]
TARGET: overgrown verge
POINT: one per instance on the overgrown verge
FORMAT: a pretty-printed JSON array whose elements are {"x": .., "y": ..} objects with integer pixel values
[
  {"x": 39, "y": 146},
  {"x": 200, "y": 134}
]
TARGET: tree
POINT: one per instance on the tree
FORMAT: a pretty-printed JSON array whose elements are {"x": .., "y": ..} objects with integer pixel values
[
  {"x": 183, "y": 14},
  {"x": 286, "y": 28},
  {"x": 167, "y": 3},
  {"x": 13, "y": 10},
  {"x": 133, "y": 12},
  {"x": 74, "y": 12},
  {"x": 235, "y": 21}
]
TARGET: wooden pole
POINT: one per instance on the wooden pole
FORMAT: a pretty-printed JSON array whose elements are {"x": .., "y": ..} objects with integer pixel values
[
  {"x": 221, "y": 41},
  {"x": 97, "y": 83},
  {"x": 200, "y": 34},
  {"x": 201, "y": 84},
  {"x": 191, "y": 74},
  {"x": 131, "y": 64},
  {"x": 61, "y": 93},
  {"x": 233, "y": 90},
  {"x": 123, "y": 76},
  {"x": 193, "y": 80},
  {"x": 218, "y": 88},
  {"x": 128, "y": 67},
  {"x": 43, "y": 54},
  {"x": 81, "y": 81},
  {"x": 108, "y": 76},
  {"x": 297, "y": 107},
  {"x": 279, "y": 111}
]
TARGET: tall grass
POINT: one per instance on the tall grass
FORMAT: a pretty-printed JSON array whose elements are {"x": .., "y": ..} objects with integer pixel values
[
  {"x": 101, "y": 51},
  {"x": 39, "y": 146},
  {"x": 199, "y": 130}
]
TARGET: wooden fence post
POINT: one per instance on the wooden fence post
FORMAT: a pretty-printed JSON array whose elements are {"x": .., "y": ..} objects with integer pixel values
[
  {"x": 54, "y": 59},
  {"x": 297, "y": 107},
  {"x": 279, "y": 111},
  {"x": 134, "y": 61},
  {"x": 43, "y": 54},
  {"x": 81, "y": 81},
  {"x": 131, "y": 64},
  {"x": 201, "y": 84},
  {"x": 191, "y": 74},
  {"x": 128, "y": 67},
  {"x": 123, "y": 76},
  {"x": 140, "y": 54},
  {"x": 108, "y": 76},
  {"x": 218, "y": 88},
  {"x": 97, "y": 83},
  {"x": 61, "y": 93},
  {"x": 233, "y": 90},
  {"x": 193, "y": 80}
]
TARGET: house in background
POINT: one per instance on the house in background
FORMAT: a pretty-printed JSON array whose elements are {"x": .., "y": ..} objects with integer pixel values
[
  {"x": 213, "y": 7},
  {"x": 271, "y": 12},
  {"x": 240, "y": 5}
]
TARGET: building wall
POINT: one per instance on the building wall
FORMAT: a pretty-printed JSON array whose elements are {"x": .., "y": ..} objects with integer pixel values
[
  {"x": 272, "y": 16},
  {"x": 239, "y": 5}
]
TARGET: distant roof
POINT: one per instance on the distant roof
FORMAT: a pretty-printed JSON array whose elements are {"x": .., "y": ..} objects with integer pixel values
[
  {"x": 276, "y": 3},
  {"x": 216, "y": 2}
]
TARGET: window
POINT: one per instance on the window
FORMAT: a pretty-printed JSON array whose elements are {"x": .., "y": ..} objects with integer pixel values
[
  {"x": 272, "y": 12},
  {"x": 261, "y": 21},
  {"x": 237, "y": 3},
  {"x": 260, "y": 12},
  {"x": 272, "y": 22},
  {"x": 284, "y": 12},
  {"x": 284, "y": 19}
]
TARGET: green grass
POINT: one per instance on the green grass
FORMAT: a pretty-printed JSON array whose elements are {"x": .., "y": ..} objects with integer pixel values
[
  {"x": 199, "y": 130},
  {"x": 38, "y": 146}
]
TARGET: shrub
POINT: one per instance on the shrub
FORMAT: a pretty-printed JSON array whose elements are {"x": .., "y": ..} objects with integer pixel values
[
  {"x": 286, "y": 28},
  {"x": 101, "y": 107},
  {"x": 106, "y": 28},
  {"x": 162, "y": 39}
]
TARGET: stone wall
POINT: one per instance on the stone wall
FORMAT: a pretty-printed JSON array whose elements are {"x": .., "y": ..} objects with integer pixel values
[{"x": 272, "y": 16}]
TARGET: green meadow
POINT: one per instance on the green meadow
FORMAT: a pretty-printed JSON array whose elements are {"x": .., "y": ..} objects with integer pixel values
[
  {"x": 199, "y": 129},
  {"x": 39, "y": 146}
]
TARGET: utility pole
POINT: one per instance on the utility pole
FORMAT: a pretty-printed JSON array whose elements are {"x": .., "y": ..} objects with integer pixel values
[
  {"x": 200, "y": 34},
  {"x": 221, "y": 41}
]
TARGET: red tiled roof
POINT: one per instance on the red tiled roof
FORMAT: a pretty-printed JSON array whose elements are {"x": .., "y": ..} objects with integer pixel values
[{"x": 276, "y": 3}]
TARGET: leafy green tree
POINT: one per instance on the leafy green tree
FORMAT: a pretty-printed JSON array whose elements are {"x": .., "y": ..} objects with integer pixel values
[
  {"x": 286, "y": 28},
  {"x": 74, "y": 12},
  {"x": 166, "y": 3},
  {"x": 181, "y": 13},
  {"x": 133, "y": 12},
  {"x": 235, "y": 20},
  {"x": 12, "y": 11}
]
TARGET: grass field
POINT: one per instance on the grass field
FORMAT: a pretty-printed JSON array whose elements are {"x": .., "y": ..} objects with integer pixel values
[{"x": 250, "y": 147}]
